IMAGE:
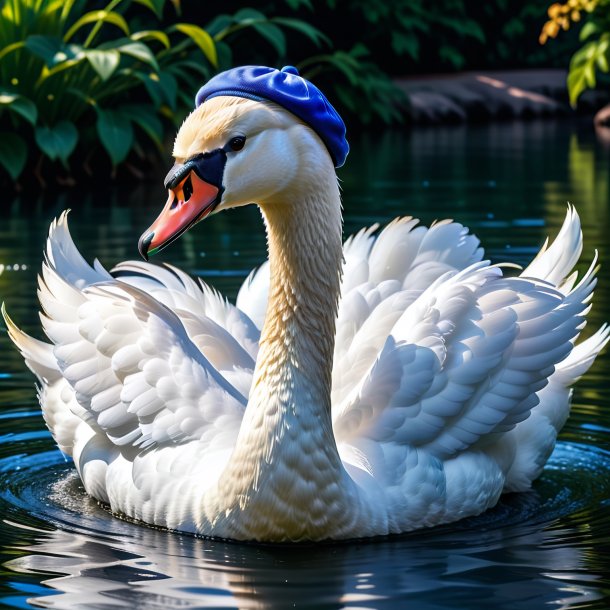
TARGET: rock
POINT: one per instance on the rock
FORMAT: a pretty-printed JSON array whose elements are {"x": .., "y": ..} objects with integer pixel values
[
  {"x": 602, "y": 117},
  {"x": 484, "y": 96}
]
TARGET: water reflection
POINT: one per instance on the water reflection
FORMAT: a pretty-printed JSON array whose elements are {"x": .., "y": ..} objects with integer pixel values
[
  {"x": 510, "y": 184},
  {"x": 519, "y": 566}
]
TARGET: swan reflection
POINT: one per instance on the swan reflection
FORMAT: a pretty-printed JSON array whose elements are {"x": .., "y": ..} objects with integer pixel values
[{"x": 98, "y": 562}]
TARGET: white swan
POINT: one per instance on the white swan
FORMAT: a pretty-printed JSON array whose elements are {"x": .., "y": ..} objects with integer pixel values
[{"x": 449, "y": 383}]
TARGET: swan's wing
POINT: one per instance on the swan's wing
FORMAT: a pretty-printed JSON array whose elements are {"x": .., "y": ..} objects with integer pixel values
[
  {"x": 131, "y": 363},
  {"x": 382, "y": 276},
  {"x": 175, "y": 289},
  {"x": 463, "y": 361}
]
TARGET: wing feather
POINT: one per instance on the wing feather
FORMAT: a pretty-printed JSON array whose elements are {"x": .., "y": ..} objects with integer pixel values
[
  {"x": 136, "y": 374},
  {"x": 465, "y": 359}
]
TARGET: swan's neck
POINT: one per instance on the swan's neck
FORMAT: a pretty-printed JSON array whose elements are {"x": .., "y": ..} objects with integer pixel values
[
  {"x": 297, "y": 341},
  {"x": 285, "y": 472}
]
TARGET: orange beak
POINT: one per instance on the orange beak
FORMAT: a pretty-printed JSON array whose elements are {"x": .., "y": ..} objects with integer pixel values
[{"x": 188, "y": 202}]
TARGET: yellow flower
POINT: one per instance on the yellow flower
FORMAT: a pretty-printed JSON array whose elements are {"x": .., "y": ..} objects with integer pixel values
[
  {"x": 575, "y": 16},
  {"x": 554, "y": 10},
  {"x": 552, "y": 29}
]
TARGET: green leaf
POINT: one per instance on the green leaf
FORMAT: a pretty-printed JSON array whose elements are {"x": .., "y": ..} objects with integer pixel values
[
  {"x": 13, "y": 153},
  {"x": 116, "y": 133},
  {"x": 156, "y": 6},
  {"x": 11, "y": 47},
  {"x": 95, "y": 17},
  {"x": 225, "y": 55},
  {"x": 162, "y": 37},
  {"x": 104, "y": 62},
  {"x": 403, "y": 43},
  {"x": 272, "y": 34},
  {"x": 576, "y": 84},
  {"x": 151, "y": 82},
  {"x": 52, "y": 49},
  {"x": 249, "y": 14},
  {"x": 201, "y": 38},
  {"x": 169, "y": 87},
  {"x": 219, "y": 24},
  {"x": 589, "y": 74},
  {"x": 139, "y": 50},
  {"x": 146, "y": 119},
  {"x": 19, "y": 104},
  {"x": 451, "y": 54},
  {"x": 296, "y": 4},
  {"x": 315, "y": 35},
  {"x": 589, "y": 29},
  {"x": 58, "y": 141}
]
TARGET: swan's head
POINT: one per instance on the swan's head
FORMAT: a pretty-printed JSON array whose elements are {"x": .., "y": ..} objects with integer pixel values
[{"x": 232, "y": 151}]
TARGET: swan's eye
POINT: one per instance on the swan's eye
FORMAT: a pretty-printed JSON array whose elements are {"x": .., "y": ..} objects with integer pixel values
[{"x": 237, "y": 143}]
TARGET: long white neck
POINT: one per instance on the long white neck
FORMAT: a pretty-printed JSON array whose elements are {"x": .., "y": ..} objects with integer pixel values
[
  {"x": 285, "y": 477},
  {"x": 297, "y": 342}
]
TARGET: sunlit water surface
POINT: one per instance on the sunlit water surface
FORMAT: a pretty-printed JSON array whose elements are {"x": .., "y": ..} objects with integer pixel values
[{"x": 510, "y": 184}]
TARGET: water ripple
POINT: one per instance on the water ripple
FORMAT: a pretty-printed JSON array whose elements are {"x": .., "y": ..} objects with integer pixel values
[{"x": 98, "y": 561}]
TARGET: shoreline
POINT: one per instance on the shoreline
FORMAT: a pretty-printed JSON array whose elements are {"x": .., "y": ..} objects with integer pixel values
[{"x": 490, "y": 95}]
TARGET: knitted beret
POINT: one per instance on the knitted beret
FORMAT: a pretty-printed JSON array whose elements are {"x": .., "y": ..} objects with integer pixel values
[{"x": 291, "y": 91}]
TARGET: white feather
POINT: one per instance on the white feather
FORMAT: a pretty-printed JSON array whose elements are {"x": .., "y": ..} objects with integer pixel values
[{"x": 448, "y": 386}]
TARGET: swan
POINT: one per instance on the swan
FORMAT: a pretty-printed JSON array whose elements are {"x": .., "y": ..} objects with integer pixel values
[{"x": 394, "y": 382}]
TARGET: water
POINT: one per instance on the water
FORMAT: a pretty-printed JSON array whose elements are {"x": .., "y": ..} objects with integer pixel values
[{"x": 510, "y": 184}]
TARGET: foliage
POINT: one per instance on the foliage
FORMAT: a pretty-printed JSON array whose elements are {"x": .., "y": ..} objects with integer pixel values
[
  {"x": 96, "y": 84},
  {"x": 401, "y": 26},
  {"x": 377, "y": 94},
  {"x": 594, "y": 55},
  {"x": 63, "y": 69},
  {"x": 71, "y": 78}
]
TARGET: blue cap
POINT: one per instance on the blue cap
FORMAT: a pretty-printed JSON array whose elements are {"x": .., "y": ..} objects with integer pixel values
[{"x": 291, "y": 91}]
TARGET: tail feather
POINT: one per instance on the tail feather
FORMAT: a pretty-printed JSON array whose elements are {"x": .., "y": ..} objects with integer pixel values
[
  {"x": 582, "y": 356},
  {"x": 38, "y": 355},
  {"x": 64, "y": 258},
  {"x": 555, "y": 263}
]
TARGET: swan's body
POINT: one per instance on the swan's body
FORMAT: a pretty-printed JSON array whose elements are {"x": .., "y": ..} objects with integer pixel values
[{"x": 449, "y": 385}]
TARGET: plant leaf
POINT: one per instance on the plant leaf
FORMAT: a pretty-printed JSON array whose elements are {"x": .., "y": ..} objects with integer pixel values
[
  {"x": 576, "y": 83},
  {"x": 169, "y": 86},
  {"x": 115, "y": 132},
  {"x": 104, "y": 62},
  {"x": 13, "y": 153},
  {"x": 139, "y": 50},
  {"x": 146, "y": 119},
  {"x": 19, "y": 104},
  {"x": 11, "y": 47},
  {"x": 58, "y": 141},
  {"x": 151, "y": 82},
  {"x": 156, "y": 6},
  {"x": 589, "y": 29},
  {"x": 201, "y": 38},
  {"x": 52, "y": 49},
  {"x": 315, "y": 35},
  {"x": 219, "y": 24},
  {"x": 162, "y": 37},
  {"x": 272, "y": 34},
  {"x": 296, "y": 4},
  {"x": 249, "y": 14},
  {"x": 95, "y": 17}
]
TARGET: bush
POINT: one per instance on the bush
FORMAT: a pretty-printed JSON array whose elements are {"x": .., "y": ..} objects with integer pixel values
[
  {"x": 70, "y": 79},
  {"x": 594, "y": 55}
]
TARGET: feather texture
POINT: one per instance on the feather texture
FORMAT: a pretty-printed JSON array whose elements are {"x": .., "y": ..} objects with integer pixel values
[{"x": 412, "y": 391}]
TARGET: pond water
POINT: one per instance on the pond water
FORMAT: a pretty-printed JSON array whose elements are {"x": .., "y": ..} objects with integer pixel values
[{"x": 510, "y": 184}]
